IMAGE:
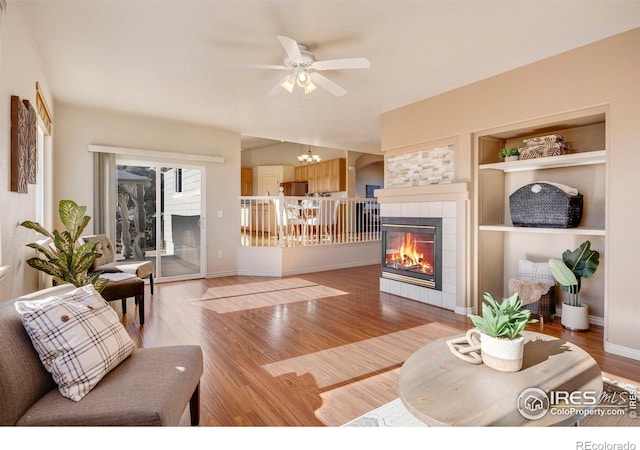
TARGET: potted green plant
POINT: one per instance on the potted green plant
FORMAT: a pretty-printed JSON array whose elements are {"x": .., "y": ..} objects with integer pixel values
[
  {"x": 64, "y": 257},
  {"x": 499, "y": 329},
  {"x": 510, "y": 154},
  {"x": 568, "y": 272}
]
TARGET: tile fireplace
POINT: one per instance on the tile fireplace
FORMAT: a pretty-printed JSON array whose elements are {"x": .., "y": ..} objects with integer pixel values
[
  {"x": 420, "y": 211},
  {"x": 412, "y": 250}
]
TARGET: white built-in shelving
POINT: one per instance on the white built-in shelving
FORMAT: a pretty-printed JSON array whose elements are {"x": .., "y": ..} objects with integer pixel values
[
  {"x": 550, "y": 162},
  {"x": 500, "y": 245}
]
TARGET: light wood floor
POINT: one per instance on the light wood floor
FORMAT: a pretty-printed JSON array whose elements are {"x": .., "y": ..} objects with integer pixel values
[{"x": 308, "y": 350}]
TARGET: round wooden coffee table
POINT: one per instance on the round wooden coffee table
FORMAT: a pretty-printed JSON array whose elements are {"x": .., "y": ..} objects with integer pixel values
[{"x": 441, "y": 389}]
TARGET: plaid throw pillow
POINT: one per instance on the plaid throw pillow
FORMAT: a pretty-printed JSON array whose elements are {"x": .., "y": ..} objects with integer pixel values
[{"x": 78, "y": 337}]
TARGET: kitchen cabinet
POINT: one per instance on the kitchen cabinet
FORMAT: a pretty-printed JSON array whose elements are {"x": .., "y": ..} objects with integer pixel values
[
  {"x": 246, "y": 181},
  {"x": 325, "y": 176},
  {"x": 294, "y": 188}
]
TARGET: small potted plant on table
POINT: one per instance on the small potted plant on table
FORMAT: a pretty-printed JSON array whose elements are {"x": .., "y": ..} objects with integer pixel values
[
  {"x": 500, "y": 327},
  {"x": 510, "y": 154},
  {"x": 575, "y": 265}
]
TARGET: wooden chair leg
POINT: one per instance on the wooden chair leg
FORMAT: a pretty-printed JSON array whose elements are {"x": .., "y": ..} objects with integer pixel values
[
  {"x": 151, "y": 283},
  {"x": 140, "y": 303},
  {"x": 194, "y": 407},
  {"x": 124, "y": 306}
]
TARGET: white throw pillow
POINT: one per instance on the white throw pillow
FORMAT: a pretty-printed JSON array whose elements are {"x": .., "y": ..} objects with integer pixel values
[
  {"x": 532, "y": 271},
  {"x": 78, "y": 337}
]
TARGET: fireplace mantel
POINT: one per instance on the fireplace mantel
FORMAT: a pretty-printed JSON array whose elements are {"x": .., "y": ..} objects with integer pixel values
[{"x": 446, "y": 192}]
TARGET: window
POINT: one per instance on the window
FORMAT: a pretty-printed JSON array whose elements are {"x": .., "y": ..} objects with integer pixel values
[{"x": 44, "y": 179}]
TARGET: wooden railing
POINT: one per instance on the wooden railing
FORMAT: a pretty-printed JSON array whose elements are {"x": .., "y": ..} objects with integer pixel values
[{"x": 285, "y": 221}]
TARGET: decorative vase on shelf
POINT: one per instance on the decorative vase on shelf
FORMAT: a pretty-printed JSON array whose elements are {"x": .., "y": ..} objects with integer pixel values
[{"x": 575, "y": 318}]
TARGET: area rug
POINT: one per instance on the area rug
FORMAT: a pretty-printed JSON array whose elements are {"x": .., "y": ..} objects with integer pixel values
[{"x": 394, "y": 413}]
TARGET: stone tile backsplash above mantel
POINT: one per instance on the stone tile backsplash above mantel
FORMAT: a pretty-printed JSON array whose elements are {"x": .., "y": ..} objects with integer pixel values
[{"x": 419, "y": 168}]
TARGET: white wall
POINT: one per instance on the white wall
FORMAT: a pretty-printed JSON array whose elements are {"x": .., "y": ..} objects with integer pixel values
[
  {"x": 77, "y": 128},
  {"x": 20, "y": 68}
]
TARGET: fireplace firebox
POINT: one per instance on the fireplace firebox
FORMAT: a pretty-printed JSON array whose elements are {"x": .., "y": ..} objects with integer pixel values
[{"x": 412, "y": 250}]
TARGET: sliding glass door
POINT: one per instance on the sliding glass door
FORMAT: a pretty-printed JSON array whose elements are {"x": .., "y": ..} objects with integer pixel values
[{"x": 160, "y": 217}]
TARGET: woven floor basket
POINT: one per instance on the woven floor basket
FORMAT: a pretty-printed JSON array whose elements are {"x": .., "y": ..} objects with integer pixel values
[{"x": 550, "y": 207}]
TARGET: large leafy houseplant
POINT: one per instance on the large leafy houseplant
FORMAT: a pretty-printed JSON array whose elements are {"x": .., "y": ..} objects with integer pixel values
[
  {"x": 65, "y": 258},
  {"x": 575, "y": 265},
  {"x": 505, "y": 319}
]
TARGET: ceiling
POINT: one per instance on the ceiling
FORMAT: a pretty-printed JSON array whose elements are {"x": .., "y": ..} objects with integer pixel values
[{"x": 174, "y": 59}]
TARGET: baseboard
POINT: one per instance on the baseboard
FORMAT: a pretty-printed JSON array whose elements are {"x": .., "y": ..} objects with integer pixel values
[
  {"x": 325, "y": 268},
  {"x": 464, "y": 311},
  {"x": 621, "y": 350},
  {"x": 227, "y": 273}
]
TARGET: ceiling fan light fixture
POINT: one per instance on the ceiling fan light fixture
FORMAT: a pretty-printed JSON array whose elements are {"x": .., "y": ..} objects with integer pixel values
[
  {"x": 309, "y": 88},
  {"x": 303, "y": 79},
  {"x": 288, "y": 84}
]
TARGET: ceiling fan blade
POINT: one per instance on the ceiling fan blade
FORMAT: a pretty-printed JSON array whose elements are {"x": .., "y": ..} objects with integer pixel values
[
  {"x": 291, "y": 47},
  {"x": 286, "y": 82},
  {"x": 258, "y": 66},
  {"x": 345, "y": 63},
  {"x": 327, "y": 84}
]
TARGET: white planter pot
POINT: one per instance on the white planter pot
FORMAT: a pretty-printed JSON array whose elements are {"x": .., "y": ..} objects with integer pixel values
[
  {"x": 511, "y": 158},
  {"x": 575, "y": 318},
  {"x": 500, "y": 353}
]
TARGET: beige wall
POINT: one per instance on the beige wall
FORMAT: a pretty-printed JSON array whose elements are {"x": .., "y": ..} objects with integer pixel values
[
  {"x": 603, "y": 73},
  {"x": 77, "y": 128},
  {"x": 20, "y": 68}
]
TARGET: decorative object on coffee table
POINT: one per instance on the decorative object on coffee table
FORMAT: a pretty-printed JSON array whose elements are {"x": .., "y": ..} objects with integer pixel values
[
  {"x": 467, "y": 348},
  {"x": 499, "y": 328},
  {"x": 575, "y": 265}
]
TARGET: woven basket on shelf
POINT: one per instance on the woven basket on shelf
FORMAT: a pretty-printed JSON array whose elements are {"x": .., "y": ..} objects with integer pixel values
[{"x": 545, "y": 205}]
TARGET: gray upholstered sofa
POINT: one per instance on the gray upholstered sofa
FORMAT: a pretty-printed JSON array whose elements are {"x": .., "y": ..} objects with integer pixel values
[{"x": 151, "y": 387}]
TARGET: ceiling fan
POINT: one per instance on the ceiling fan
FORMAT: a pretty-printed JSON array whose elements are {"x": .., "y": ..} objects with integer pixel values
[{"x": 304, "y": 69}]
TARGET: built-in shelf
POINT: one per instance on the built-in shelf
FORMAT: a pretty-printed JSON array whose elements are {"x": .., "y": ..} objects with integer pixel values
[
  {"x": 567, "y": 231},
  {"x": 549, "y": 162}
]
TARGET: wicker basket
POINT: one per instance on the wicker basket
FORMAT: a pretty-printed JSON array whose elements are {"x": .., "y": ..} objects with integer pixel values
[
  {"x": 545, "y": 205},
  {"x": 542, "y": 151}
]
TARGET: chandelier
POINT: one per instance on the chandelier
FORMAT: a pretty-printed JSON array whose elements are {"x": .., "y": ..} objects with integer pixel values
[{"x": 309, "y": 158}]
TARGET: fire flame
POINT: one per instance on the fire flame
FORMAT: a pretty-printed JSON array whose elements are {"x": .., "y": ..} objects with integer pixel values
[{"x": 409, "y": 257}]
